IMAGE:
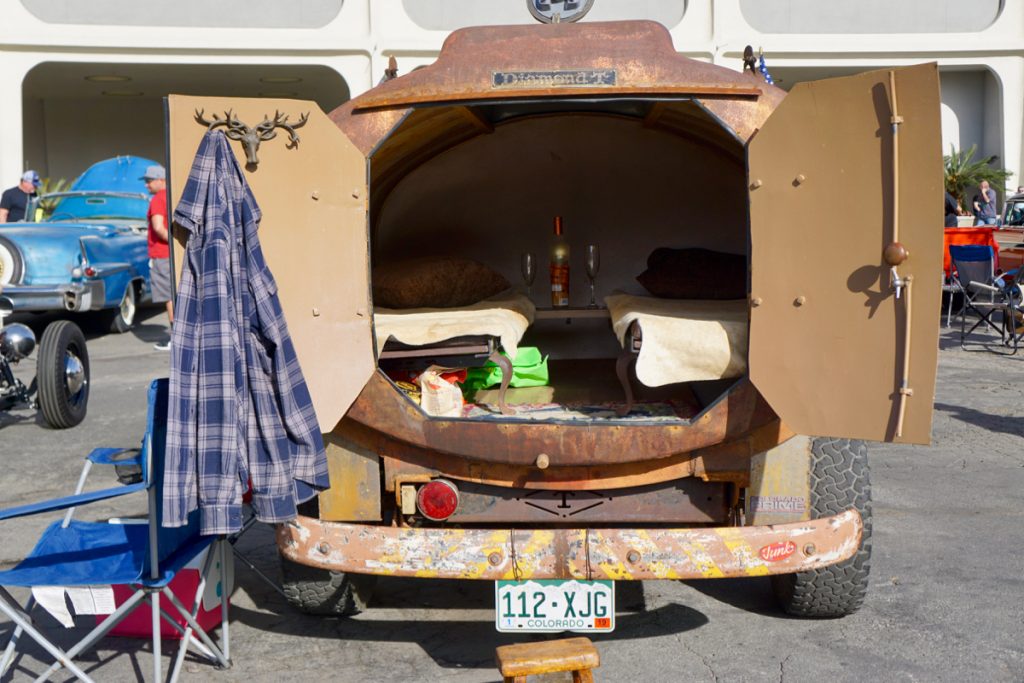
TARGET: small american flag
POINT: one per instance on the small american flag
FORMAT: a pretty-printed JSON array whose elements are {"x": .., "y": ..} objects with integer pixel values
[{"x": 763, "y": 68}]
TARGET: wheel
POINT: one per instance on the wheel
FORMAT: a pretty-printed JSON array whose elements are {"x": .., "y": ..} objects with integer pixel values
[
  {"x": 320, "y": 591},
  {"x": 839, "y": 481},
  {"x": 11, "y": 263},
  {"x": 63, "y": 375},
  {"x": 121, "y": 319}
]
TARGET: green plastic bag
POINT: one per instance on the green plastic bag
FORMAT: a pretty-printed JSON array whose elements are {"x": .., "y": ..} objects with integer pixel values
[{"x": 529, "y": 369}]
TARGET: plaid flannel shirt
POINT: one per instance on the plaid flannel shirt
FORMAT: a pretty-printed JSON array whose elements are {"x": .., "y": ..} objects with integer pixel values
[{"x": 239, "y": 410}]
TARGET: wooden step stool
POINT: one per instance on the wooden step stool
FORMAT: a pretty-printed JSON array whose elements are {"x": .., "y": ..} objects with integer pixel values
[{"x": 578, "y": 655}]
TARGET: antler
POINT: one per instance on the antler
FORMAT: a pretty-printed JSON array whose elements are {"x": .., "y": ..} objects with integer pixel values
[
  {"x": 266, "y": 127},
  {"x": 235, "y": 128},
  {"x": 251, "y": 137}
]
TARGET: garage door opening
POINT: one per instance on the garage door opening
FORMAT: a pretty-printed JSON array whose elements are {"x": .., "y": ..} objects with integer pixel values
[{"x": 78, "y": 113}]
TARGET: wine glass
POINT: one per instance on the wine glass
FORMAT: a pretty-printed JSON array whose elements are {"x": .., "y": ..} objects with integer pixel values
[
  {"x": 528, "y": 264},
  {"x": 593, "y": 265}
]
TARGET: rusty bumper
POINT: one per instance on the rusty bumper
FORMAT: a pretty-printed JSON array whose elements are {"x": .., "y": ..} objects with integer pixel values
[{"x": 618, "y": 554}]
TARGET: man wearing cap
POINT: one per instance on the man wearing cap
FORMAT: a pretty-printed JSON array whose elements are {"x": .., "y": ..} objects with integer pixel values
[
  {"x": 15, "y": 200},
  {"x": 159, "y": 251}
]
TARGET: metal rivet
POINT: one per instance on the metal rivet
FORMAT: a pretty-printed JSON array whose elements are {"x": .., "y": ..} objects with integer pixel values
[
  {"x": 756, "y": 301},
  {"x": 756, "y": 184},
  {"x": 323, "y": 548},
  {"x": 809, "y": 549},
  {"x": 800, "y": 300},
  {"x": 315, "y": 195},
  {"x": 356, "y": 193},
  {"x": 543, "y": 461},
  {"x": 800, "y": 177},
  {"x": 316, "y": 311},
  {"x": 632, "y": 557},
  {"x": 494, "y": 559}
]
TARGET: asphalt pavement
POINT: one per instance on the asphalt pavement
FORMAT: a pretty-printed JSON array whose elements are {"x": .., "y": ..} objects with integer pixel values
[{"x": 946, "y": 601}]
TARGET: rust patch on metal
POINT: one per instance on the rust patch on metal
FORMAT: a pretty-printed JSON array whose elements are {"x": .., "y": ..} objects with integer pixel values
[
  {"x": 355, "y": 494},
  {"x": 382, "y": 408},
  {"x": 618, "y": 554},
  {"x": 722, "y": 462},
  {"x": 684, "y": 501},
  {"x": 645, "y": 62},
  {"x": 640, "y": 54}
]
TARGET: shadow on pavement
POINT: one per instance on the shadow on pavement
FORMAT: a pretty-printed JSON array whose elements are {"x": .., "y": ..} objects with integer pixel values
[
  {"x": 750, "y": 595},
  {"x": 453, "y": 643},
  {"x": 1006, "y": 424}
]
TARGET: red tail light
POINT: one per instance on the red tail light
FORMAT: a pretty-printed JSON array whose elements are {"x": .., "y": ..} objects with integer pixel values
[
  {"x": 437, "y": 500},
  {"x": 90, "y": 271}
]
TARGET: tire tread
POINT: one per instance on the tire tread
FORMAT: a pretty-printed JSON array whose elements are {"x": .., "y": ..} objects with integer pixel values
[
  {"x": 323, "y": 592},
  {"x": 839, "y": 481},
  {"x": 53, "y": 399}
]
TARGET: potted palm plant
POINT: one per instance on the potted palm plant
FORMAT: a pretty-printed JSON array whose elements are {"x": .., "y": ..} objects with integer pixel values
[
  {"x": 963, "y": 172},
  {"x": 48, "y": 186}
]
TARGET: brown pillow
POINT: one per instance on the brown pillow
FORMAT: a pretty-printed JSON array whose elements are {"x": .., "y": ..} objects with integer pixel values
[
  {"x": 443, "y": 282},
  {"x": 695, "y": 274}
]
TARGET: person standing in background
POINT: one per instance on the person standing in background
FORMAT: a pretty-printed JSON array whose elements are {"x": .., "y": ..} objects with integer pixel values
[
  {"x": 952, "y": 210},
  {"x": 15, "y": 200},
  {"x": 157, "y": 240},
  {"x": 984, "y": 205}
]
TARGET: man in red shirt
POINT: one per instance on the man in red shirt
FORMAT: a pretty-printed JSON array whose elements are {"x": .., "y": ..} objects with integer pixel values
[{"x": 157, "y": 239}]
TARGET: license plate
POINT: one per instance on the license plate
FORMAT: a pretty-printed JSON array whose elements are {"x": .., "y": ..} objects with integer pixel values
[{"x": 554, "y": 605}]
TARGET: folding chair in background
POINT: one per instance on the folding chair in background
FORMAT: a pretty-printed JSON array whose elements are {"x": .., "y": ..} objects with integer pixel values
[
  {"x": 72, "y": 553},
  {"x": 1011, "y": 284},
  {"x": 972, "y": 270}
]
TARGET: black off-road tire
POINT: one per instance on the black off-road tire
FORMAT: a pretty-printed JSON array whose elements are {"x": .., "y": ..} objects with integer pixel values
[
  {"x": 839, "y": 481},
  {"x": 60, "y": 408},
  {"x": 320, "y": 591}
]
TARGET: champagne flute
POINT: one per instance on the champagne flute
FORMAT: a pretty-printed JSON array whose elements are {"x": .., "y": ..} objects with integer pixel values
[
  {"x": 593, "y": 265},
  {"x": 528, "y": 264}
]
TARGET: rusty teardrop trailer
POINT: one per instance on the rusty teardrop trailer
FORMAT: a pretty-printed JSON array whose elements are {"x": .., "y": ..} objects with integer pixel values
[{"x": 638, "y": 147}]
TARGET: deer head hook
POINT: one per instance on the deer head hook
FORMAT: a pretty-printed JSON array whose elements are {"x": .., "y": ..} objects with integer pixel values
[{"x": 251, "y": 137}]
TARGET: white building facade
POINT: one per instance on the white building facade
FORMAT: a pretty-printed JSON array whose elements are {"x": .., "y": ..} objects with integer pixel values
[{"x": 85, "y": 80}]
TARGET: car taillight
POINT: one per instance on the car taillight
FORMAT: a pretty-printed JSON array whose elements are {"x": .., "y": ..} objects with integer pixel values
[
  {"x": 437, "y": 500},
  {"x": 90, "y": 271}
]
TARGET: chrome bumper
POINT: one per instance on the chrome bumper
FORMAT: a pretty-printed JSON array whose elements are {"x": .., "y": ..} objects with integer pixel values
[
  {"x": 74, "y": 296},
  {"x": 618, "y": 554}
]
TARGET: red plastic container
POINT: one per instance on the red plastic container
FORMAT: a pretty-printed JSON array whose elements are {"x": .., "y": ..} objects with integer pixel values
[{"x": 138, "y": 624}]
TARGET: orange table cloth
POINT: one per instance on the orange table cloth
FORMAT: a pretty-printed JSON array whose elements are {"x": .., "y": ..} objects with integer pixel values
[{"x": 958, "y": 236}]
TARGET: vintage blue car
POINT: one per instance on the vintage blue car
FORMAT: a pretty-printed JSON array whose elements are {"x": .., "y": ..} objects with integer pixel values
[{"x": 90, "y": 253}]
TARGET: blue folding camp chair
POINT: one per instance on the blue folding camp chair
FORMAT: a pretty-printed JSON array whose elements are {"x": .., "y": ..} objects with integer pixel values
[
  {"x": 984, "y": 294},
  {"x": 145, "y": 556}
]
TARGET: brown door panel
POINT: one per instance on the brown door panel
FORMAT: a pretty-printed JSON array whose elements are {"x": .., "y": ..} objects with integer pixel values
[
  {"x": 827, "y": 331},
  {"x": 313, "y": 233}
]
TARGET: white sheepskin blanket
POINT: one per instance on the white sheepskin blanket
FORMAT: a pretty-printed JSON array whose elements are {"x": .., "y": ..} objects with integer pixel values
[
  {"x": 505, "y": 315},
  {"x": 683, "y": 340}
]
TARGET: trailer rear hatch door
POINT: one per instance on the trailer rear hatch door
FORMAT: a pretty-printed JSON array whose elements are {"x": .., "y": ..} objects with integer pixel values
[
  {"x": 828, "y": 336},
  {"x": 313, "y": 195}
]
